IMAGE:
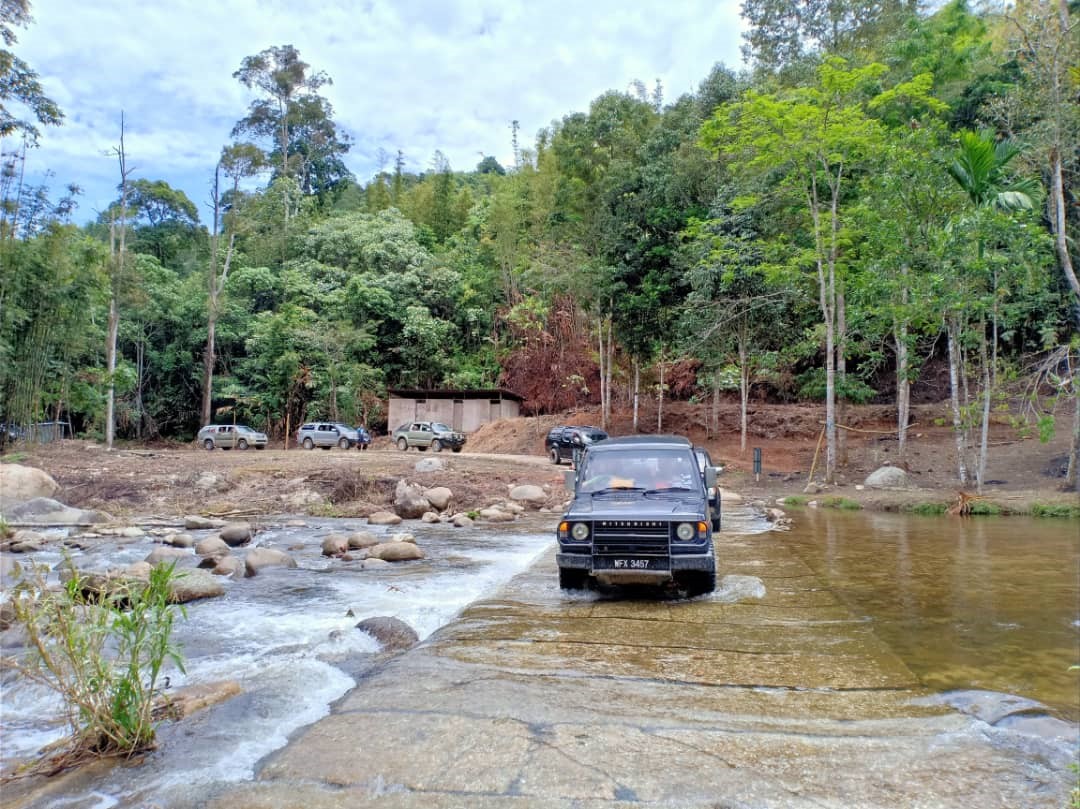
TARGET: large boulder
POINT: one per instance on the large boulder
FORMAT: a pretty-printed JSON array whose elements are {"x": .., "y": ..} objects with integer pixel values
[
  {"x": 20, "y": 483},
  {"x": 362, "y": 539},
  {"x": 237, "y": 533},
  {"x": 192, "y": 585},
  {"x": 409, "y": 501},
  {"x": 463, "y": 521},
  {"x": 430, "y": 465},
  {"x": 887, "y": 477},
  {"x": 529, "y": 494},
  {"x": 212, "y": 546},
  {"x": 439, "y": 497},
  {"x": 228, "y": 566},
  {"x": 495, "y": 514},
  {"x": 391, "y": 633},
  {"x": 335, "y": 545},
  {"x": 258, "y": 558},
  {"x": 383, "y": 518},
  {"x": 396, "y": 552},
  {"x": 43, "y": 511},
  {"x": 193, "y": 522},
  {"x": 180, "y": 540},
  {"x": 166, "y": 554}
]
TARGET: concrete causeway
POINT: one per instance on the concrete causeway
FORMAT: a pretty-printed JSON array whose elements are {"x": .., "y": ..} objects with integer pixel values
[{"x": 538, "y": 698}]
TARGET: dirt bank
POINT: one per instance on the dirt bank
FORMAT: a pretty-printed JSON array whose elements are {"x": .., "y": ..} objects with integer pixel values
[{"x": 177, "y": 479}]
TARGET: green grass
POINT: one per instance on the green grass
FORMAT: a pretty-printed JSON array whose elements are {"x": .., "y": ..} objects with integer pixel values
[
  {"x": 982, "y": 508},
  {"x": 13, "y": 457},
  {"x": 795, "y": 500},
  {"x": 927, "y": 509},
  {"x": 1059, "y": 510},
  {"x": 844, "y": 503}
]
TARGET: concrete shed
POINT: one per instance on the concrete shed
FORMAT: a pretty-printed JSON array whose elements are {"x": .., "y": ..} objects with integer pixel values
[{"x": 462, "y": 410}]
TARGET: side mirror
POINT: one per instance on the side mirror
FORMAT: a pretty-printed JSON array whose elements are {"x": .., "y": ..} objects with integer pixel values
[
  {"x": 710, "y": 477},
  {"x": 570, "y": 479}
]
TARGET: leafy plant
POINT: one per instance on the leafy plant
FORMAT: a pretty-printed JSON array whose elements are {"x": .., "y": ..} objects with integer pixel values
[
  {"x": 794, "y": 500},
  {"x": 844, "y": 503},
  {"x": 1066, "y": 511},
  {"x": 101, "y": 647}
]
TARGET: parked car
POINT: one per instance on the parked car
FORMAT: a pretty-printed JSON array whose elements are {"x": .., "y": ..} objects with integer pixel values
[
  {"x": 424, "y": 434},
  {"x": 639, "y": 515},
  {"x": 363, "y": 437},
  {"x": 704, "y": 462},
  {"x": 567, "y": 442},
  {"x": 229, "y": 436},
  {"x": 326, "y": 434}
]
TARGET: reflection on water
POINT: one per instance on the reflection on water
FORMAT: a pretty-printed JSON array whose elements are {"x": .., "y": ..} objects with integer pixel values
[{"x": 990, "y": 603}]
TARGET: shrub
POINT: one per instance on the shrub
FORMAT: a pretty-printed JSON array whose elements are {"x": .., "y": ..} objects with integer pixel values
[
  {"x": 102, "y": 651},
  {"x": 1055, "y": 510},
  {"x": 929, "y": 509},
  {"x": 985, "y": 509},
  {"x": 845, "y": 503},
  {"x": 794, "y": 500}
]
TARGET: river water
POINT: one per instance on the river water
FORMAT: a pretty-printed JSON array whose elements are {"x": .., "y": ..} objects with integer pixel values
[{"x": 966, "y": 603}]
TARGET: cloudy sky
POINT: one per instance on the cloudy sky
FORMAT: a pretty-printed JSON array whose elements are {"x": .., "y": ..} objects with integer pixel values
[{"x": 415, "y": 75}]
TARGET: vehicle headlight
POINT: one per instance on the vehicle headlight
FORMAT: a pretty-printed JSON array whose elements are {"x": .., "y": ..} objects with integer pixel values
[
  {"x": 580, "y": 531},
  {"x": 685, "y": 531}
]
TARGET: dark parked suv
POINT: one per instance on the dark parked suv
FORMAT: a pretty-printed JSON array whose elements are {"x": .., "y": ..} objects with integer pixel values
[
  {"x": 640, "y": 515},
  {"x": 566, "y": 443}
]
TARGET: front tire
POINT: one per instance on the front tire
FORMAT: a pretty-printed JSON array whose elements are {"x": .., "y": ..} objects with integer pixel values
[
  {"x": 309, "y": 444},
  {"x": 436, "y": 445},
  {"x": 343, "y": 443},
  {"x": 208, "y": 443},
  {"x": 554, "y": 456},
  {"x": 573, "y": 579},
  {"x": 697, "y": 582},
  {"x": 403, "y": 444},
  {"x": 241, "y": 444}
]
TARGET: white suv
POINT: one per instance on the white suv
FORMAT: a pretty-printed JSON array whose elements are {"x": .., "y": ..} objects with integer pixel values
[{"x": 326, "y": 434}]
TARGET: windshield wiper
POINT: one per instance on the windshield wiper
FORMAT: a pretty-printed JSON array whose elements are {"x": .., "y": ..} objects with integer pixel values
[
  {"x": 617, "y": 489},
  {"x": 668, "y": 489}
]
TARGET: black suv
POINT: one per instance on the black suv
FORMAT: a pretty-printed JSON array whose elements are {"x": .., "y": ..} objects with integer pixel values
[
  {"x": 566, "y": 443},
  {"x": 640, "y": 515}
]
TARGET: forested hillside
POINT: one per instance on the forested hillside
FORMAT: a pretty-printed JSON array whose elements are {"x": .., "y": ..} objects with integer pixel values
[{"x": 883, "y": 188}]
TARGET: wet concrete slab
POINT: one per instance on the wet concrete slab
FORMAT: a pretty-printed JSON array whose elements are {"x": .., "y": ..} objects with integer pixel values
[{"x": 770, "y": 696}]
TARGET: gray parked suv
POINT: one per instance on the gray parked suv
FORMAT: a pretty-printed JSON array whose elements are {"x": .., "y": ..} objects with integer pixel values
[{"x": 326, "y": 434}]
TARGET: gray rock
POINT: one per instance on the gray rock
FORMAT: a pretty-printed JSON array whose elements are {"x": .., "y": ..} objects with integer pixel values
[
  {"x": 402, "y": 536},
  {"x": 393, "y": 634},
  {"x": 409, "y": 501},
  {"x": 371, "y": 563},
  {"x": 138, "y": 570},
  {"x": 43, "y": 511},
  {"x": 383, "y": 518},
  {"x": 439, "y": 497},
  {"x": 887, "y": 477},
  {"x": 495, "y": 514},
  {"x": 212, "y": 546},
  {"x": 430, "y": 517},
  {"x": 362, "y": 539},
  {"x": 194, "y": 522},
  {"x": 529, "y": 494},
  {"x": 396, "y": 552},
  {"x": 237, "y": 533},
  {"x": 192, "y": 585},
  {"x": 167, "y": 555},
  {"x": 180, "y": 540},
  {"x": 20, "y": 483},
  {"x": 335, "y": 545},
  {"x": 463, "y": 521},
  {"x": 229, "y": 566},
  {"x": 430, "y": 465},
  {"x": 259, "y": 558}
]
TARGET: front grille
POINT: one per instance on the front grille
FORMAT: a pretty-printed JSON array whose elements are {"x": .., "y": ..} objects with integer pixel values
[{"x": 631, "y": 538}]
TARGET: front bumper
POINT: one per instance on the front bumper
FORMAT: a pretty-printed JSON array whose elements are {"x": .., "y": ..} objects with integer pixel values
[{"x": 682, "y": 561}]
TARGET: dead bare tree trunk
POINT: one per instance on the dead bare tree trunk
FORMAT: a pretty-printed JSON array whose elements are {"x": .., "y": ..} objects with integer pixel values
[
  {"x": 118, "y": 254},
  {"x": 955, "y": 371},
  {"x": 637, "y": 390},
  {"x": 660, "y": 395},
  {"x": 744, "y": 394}
]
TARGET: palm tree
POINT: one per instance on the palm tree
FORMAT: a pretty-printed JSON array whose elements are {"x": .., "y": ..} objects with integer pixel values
[{"x": 980, "y": 170}]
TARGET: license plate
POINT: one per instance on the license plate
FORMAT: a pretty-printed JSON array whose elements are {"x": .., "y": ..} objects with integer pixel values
[{"x": 631, "y": 563}]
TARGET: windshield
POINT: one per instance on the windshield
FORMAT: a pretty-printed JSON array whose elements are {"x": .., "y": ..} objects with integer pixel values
[
  {"x": 439, "y": 427},
  {"x": 634, "y": 468}
]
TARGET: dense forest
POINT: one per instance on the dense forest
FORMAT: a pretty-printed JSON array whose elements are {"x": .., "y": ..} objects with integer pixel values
[{"x": 884, "y": 187}]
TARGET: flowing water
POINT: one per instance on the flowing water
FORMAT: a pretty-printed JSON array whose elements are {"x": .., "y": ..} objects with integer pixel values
[{"x": 967, "y": 603}]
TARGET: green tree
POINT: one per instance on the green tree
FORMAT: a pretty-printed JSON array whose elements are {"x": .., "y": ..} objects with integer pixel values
[{"x": 18, "y": 82}]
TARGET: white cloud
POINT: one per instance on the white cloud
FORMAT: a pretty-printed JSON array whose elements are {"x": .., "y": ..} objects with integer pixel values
[{"x": 410, "y": 74}]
